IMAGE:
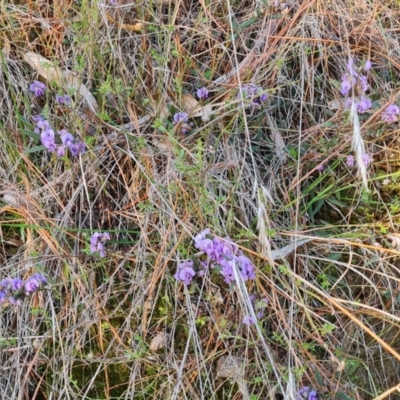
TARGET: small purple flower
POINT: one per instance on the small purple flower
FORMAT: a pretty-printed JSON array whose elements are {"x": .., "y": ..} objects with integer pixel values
[
  {"x": 185, "y": 272},
  {"x": 93, "y": 241},
  {"x": 363, "y": 83},
  {"x": 320, "y": 167},
  {"x": 227, "y": 272},
  {"x": 16, "y": 284},
  {"x": 5, "y": 283},
  {"x": 366, "y": 159},
  {"x": 313, "y": 395},
  {"x": 3, "y": 297},
  {"x": 247, "y": 269},
  {"x": 31, "y": 285},
  {"x": 248, "y": 320},
  {"x": 61, "y": 151},
  {"x": 66, "y": 138},
  {"x": 42, "y": 124},
  {"x": 38, "y": 88},
  {"x": 202, "y": 93},
  {"x": 97, "y": 243},
  {"x": 363, "y": 105},
  {"x": 254, "y": 93},
  {"x": 350, "y": 65},
  {"x": 367, "y": 65},
  {"x": 39, "y": 277},
  {"x": 391, "y": 113},
  {"x": 77, "y": 148},
  {"x": 306, "y": 394},
  {"x": 347, "y": 83},
  {"x": 263, "y": 97},
  {"x": 350, "y": 160},
  {"x": 100, "y": 248},
  {"x": 180, "y": 117},
  {"x": 15, "y": 302},
  {"x": 64, "y": 99},
  {"x": 47, "y": 139}
]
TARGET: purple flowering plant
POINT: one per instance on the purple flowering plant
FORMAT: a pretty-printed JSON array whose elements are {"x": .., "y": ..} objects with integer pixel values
[
  {"x": 356, "y": 83},
  {"x": 222, "y": 255},
  {"x": 63, "y": 99},
  {"x": 38, "y": 88},
  {"x": 255, "y": 93},
  {"x": 306, "y": 393},
  {"x": 49, "y": 139},
  {"x": 14, "y": 290},
  {"x": 181, "y": 118},
  {"x": 97, "y": 241}
]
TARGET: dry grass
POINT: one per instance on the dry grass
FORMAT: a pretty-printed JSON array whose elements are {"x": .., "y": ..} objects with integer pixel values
[{"x": 122, "y": 327}]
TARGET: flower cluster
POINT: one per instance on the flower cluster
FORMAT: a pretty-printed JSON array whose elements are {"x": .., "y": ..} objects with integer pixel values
[
  {"x": 305, "y": 393},
  {"x": 97, "y": 243},
  {"x": 221, "y": 254},
  {"x": 254, "y": 93},
  {"x": 12, "y": 290},
  {"x": 38, "y": 88},
  {"x": 356, "y": 82},
  {"x": 48, "y": 139}
]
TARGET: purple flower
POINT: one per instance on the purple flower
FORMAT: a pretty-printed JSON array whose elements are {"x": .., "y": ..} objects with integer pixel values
[
  {"x": 363, "y": 83},
  {"x": 367, "y": 65},
  {"x": 320, "y": 167},
  {"x": 391, "y": 113},
  {"x": 366, "y": 159},
  {"x": 248, "y": 320},
  {"x": 306, "y": 394},
  {"x": 347, "y": 83},
  {"x": 350, "y": 65},
  {"x": 5, "y": 283},
  {"x": 202, "y": 93},
  {"x": 41, "y": 124},
  {"x": 97, "y": 243},
  {"x": 31, "y": 285},
  {"x": 38, "y": 88},
  {"x": 350, "y": 160},
  {"x": 16, "y": 302},
  {"x": 61, "y": 151},
  {"x": 3, "y": 297},
  {"x": 185, "y": 272},
  {"x": 227, "y": 272},
  {"x": 246, "y": 267},
  {"x": 77, "y": 148},
  {"x": 64, "y": 99},
  {"x": 16, "y": 284},
  {"x": 39, "y": 277},
  {"x": 363, "y": 105},
  {"x": 66, "y": 138},
  {"x": 313, "y": 395},
  {"x": 47, "y": 139},
  {"x": 180, "y": 117},
  {"x": 254, "y": 93}
]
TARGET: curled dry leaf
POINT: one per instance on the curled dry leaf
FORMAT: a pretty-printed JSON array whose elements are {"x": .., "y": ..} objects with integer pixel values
[
  {"x": 66, "y": 79},
  {"x": 159, "y": 341},
  {"x": 192, "y": 107}
]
